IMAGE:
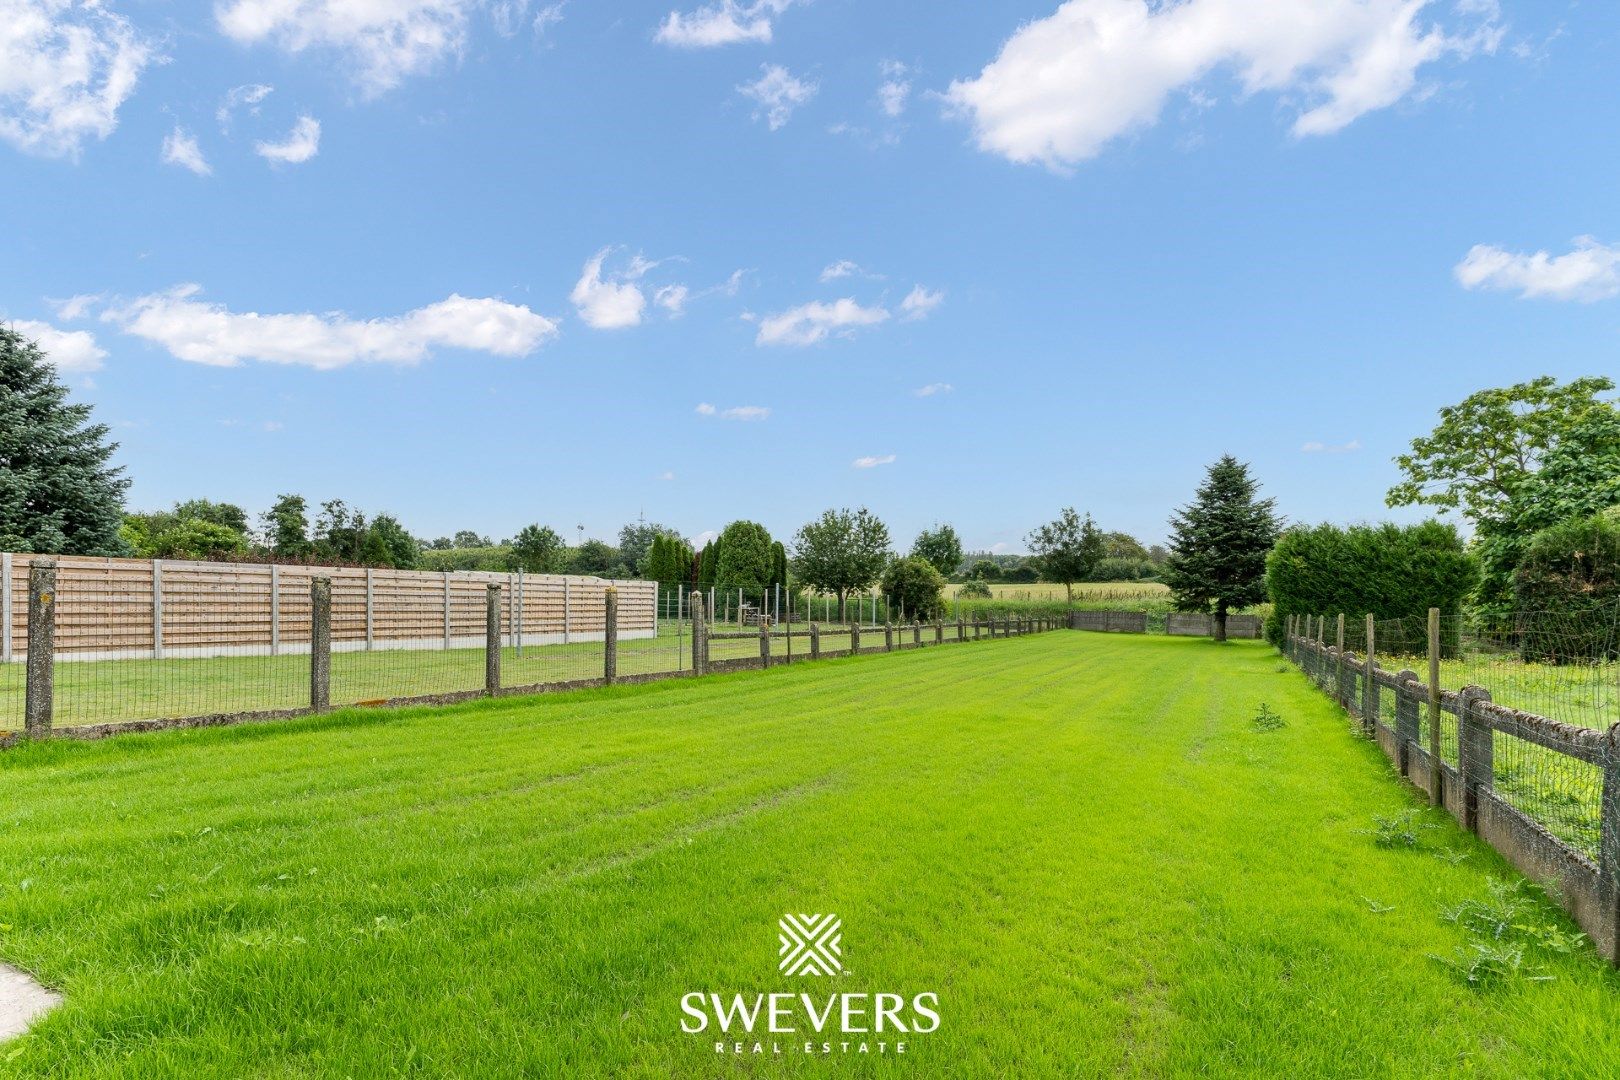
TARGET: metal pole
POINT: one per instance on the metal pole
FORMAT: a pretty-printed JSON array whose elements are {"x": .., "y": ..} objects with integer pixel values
[{"x": 157, "y": 609}]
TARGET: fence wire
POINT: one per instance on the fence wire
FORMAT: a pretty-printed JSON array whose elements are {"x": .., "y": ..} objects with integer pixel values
[{"x": 1561, "y": 667}]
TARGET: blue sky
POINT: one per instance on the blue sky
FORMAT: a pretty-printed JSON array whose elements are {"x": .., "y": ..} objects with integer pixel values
[{"x": 352, "y": 250}]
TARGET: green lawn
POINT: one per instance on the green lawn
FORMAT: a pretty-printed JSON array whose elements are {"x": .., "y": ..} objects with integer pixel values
[{"x": 1080, "y": 842}]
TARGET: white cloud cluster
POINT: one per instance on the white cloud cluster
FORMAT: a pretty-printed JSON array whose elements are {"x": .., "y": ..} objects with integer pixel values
[
  {"x": 724, "y": 23},
  {"x": 383, "y": 41},
  {"x": 844, "y": 268},
  {"x": 919, "y": 302},
  {"x": 180, "y": 148},
  {"x": 1590, "y": 272},
  {"x": 810, "y": 323},
  {"x": 933, "y": 389},
  {"x": 1062, "y": 87},
  {"x": 873, "y": 461},
  {"x": 736, "y": 412},
  {"x": 302, "y": 143},
  {"x": 206, "y": 333},
  {"x": 67, "y": 350},
  {"x": 776, "y": 94},
  {"x": 66, "y": 67}
]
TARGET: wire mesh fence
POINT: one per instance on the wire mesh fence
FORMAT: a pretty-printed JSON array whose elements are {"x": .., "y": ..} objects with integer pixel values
[
  {"x": 1512, "y": 726},
  {"x": 140, "y": 641}
]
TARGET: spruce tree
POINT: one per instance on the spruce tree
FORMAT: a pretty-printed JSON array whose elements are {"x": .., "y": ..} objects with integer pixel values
[
  {"x": 1220, "y": 542},
  {"x": 58, "y": 492}
]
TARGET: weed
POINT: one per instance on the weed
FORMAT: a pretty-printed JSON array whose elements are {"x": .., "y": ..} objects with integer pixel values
[{"x": 1267, "y": 720}]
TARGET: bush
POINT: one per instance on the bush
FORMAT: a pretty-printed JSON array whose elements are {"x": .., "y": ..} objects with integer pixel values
[
  {"x": 1388, "y": 571},
  {"x": 914, "y": 587},
  {"x": 1567, "y": 591},
  {"x": 975, "y": 589}
]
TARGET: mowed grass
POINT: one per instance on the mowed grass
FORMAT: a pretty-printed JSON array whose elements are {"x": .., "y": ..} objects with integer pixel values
[{"x": 1081, "y": 842}]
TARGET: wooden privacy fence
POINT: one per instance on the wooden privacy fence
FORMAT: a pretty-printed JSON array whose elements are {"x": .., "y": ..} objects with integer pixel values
[
  {"x": 1543, "y": 793},
  {"x": 114, "y": 609}
]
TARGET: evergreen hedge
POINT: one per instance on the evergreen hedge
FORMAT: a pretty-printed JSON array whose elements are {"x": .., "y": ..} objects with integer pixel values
[{"x": 1390, "y": 571}]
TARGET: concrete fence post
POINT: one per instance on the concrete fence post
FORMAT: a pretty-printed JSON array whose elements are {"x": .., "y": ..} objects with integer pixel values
[
  {"x": 1476, "y": 752},
  {"x": 815, "y": 641},
  {"x": 1609, "y": 842},
  {"x": 961, "y": 627},
  {"x": 39, "y": 696},
  {"x": 320, "y": 644},
  {"x": 888, "y": 636},
  {"x": 939, "y": 631},
  {"x": 1406, "y": 717},
  {"x": 916, "y": 633},
  {"x": 1436, "y": 794},
  {"x": 700, "y": 635},
  {"x": 855, "y": 637},
  {"x": 610, "y": 634},
  {"x": 492, "y": 639},
  {"x": 764, "y": 643}
]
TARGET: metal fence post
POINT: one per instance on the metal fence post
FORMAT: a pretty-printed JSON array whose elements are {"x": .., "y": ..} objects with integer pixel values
[
  {"x": 700, "y": 635},
  {"x": 1476, "y": 752},
  {"x": 369, "y": 608},
  {"x": 320, "y": 644},
  {"x": 815, "y": 641},
  {"x": 39, "y": 695},
  {"x": 5, "y": 608},
  {"x": 492, "y": 638},
  {"x": 610, "y": 634},
  {"x": 157, "y": 609},
  {"x": 1435, "y": 793}
]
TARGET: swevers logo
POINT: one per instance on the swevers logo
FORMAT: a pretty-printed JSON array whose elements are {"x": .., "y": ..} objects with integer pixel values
[
  {"x": 810, "y": 945},
  {"x": 863, "y": 1023}
]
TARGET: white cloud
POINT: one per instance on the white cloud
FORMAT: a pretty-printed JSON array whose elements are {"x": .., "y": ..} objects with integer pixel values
[
  {"x": 206, "y": 333},
  {"x": 736, "y": 412},
  {"x": 608, "y": 304},
  {"x": 666, "y": 476},
  {"x": 67, "y": 350},
  {"x": 180, "y": 148},
  {"x": 237, "y": 96},
  {"x": 1325, "y": 448},
  {"x": 1590, "y": 272},
  {"x": 895, "y": 89},
  {"x": 933, "y": 389},
  {"x": 919, "y": 302},
  {"x": 74, "y": 307},
  {"x": 809, "y": 323},
  {"x": 1064, "y": 86},
  {"x": 724, "y": 23},
  {"x": 844, "y": 268},
  {"x": 776, "y": 94},
  {"x": 704, "y": 538},
  {"x": 302, "y": 143},
  {"x": 271, "y": 425},
  {"x": 383, "y": 41},
  {"x": 873, "y": 462},
  {"x": 66, "y": 67},
  {"x": 547, "y": 17},
  {"x": 672, "y": 298}
]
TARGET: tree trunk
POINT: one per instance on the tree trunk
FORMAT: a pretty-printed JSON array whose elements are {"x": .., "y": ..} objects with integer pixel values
[
  {"x": 1220, "y": 623},
  {"x": 841, "y": 608},
  {"x": 1069, "y": 586}
]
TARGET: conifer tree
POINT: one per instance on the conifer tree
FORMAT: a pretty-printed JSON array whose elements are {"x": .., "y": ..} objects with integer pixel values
[
  {"x": 1219, "y": 544},
  {"x": 58, "y": 492}
]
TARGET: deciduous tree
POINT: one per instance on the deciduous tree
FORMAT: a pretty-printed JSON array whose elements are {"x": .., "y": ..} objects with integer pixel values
[{"x": 840, "y": 552}]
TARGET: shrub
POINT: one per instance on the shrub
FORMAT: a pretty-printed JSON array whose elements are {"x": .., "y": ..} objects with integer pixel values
[
  {"x": 1567, "y": 591},
  {"x": 913, "y": 586},
  {"x": 975, "y": 589},
  {"x": 1388, "y": 571}
]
